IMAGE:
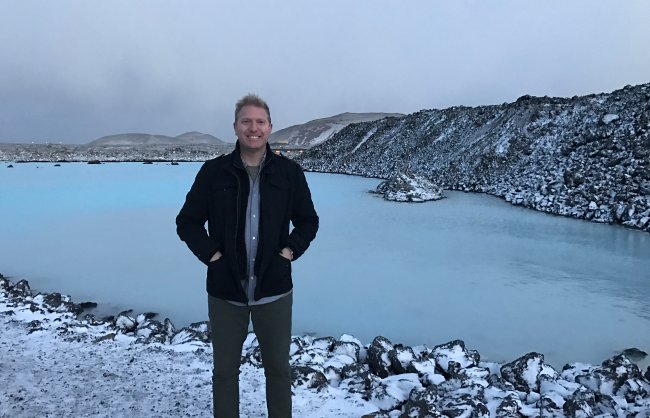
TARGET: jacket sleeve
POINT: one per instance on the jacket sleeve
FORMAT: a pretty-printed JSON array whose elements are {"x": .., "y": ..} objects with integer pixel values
[
  {"x": 190, "y": 222},
  {"x": 303, "y": 216}
]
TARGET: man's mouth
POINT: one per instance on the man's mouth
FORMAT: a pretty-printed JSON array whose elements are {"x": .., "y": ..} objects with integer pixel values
[{"x": 253, "y": 137}]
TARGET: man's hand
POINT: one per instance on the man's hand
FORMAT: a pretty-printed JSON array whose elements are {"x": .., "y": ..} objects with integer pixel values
[
  {"x": 216, "y": 256},
  {"x": 287, "y": 253}
]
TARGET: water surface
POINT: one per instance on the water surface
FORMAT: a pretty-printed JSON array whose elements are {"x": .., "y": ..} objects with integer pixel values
[{"x": 506, "y": 280}]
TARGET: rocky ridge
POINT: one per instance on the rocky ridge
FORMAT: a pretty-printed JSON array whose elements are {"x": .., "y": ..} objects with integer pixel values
[
  {"x": 586, "y": 157},
  {"x": 317, "y": 131},
  {"x": 447, "y": 380}
]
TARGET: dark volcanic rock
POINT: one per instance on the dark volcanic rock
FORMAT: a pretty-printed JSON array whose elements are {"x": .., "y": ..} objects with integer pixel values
[
  {"x": 524, "y": 372},
  {"x": 308, "y": 377},
  {"x": 378, "y": 359},
  {"x": 585, "y": 157},
  {"x": 453, "y": 356}
]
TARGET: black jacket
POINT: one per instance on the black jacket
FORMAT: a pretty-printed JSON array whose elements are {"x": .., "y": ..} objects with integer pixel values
[{"x": 219, "y": 196}]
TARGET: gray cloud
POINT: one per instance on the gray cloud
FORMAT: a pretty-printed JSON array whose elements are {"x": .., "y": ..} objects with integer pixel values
[{"x": 72, "y": 71}]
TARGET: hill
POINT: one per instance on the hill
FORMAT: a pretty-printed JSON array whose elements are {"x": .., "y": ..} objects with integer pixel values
[
  {"x": 318, "y": 131},
  {"x": 587, "y": 157}
]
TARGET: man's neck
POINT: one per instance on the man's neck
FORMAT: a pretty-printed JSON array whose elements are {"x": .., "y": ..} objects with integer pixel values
[{"x": 252, "y": 158}]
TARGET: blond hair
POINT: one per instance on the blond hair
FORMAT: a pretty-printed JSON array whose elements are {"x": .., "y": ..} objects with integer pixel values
[{"x": 252, "y": 100}]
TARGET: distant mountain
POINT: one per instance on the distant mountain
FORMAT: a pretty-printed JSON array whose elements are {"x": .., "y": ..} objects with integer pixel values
[
  {"x": 318, "y": 131},
  {"x": 193, "y": 138},
  {"x": 586, "y": 157}
]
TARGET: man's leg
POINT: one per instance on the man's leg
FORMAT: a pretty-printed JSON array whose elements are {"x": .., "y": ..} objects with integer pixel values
[
  {"x": 272, "y": 325},
  {"x": 229, "y": 327}
]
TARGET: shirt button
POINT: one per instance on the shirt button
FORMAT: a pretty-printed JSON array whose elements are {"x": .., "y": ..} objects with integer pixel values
[{"x": 253, "y": 237}]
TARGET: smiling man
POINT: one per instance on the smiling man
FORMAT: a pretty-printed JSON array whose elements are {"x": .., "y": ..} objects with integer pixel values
[{"x": 248, "y": 198}]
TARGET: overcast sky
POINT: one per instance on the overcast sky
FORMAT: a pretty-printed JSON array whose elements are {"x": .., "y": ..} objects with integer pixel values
[{"x": 74, "y": 71}]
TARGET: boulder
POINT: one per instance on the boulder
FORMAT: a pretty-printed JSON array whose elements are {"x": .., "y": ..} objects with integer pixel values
[
  {"x": 378, "y": 359},
  {"x": 400, "y": 357},
  {"x": 392, "y": 392},
  {"x": 21, "y": 289},
  {"x": 356, "y": 378},
  {"x": 454, "y": 351},
  {"x": 581, "y": 404},
  {"x": 524, "y": 372},
  {"x": 308, "y": 377},
  {"x": 422, "y": 404},
  {"x": 405, "y": 186},
  {"x": 125, "y": 323},
  {"x": 463, "y": 405}
]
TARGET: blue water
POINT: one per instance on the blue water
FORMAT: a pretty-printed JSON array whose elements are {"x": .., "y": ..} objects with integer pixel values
[{"x": 506, "y": 280}]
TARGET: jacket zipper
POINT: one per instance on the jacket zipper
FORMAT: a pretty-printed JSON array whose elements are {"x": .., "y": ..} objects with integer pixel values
[{"x": 237, "y": 229}]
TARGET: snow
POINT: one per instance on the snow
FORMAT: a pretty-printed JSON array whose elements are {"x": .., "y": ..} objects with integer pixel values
[
  {"x": 364, "y": 139},
  {"x": 47, "y": 374}
]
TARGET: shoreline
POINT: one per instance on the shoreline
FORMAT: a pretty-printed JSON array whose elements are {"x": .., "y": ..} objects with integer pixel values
[
  {"x": 512, "y": 195},
  {"x": 379, "y": 377}
]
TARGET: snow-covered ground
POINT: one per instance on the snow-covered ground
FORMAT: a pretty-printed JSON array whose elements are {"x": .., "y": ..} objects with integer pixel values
[{"x": 54, "y": 364}]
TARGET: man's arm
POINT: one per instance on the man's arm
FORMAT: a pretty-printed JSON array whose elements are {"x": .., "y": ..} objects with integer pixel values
[
  {"x": 190, "y": 222},
  {"x": 303, "y": 216}
]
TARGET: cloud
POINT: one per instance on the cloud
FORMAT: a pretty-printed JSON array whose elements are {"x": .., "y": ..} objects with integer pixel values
[{"x": 77, "y": 70}]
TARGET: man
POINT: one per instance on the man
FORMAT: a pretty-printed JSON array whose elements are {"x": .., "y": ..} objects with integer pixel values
[{"x": 248, "y": 198}]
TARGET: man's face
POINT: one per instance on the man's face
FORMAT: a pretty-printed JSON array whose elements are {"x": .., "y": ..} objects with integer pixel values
[{"x": 252, "y": 128}]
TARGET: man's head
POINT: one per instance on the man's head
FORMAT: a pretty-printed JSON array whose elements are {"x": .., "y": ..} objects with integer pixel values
[
  {"x": 252, "y": 123},
  {"x": 252, "y": 100}
]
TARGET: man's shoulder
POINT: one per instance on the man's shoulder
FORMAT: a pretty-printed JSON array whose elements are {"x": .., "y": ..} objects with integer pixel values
[
  {"x": 287, "y": 162},
  {"x": 221, "y": 161}
]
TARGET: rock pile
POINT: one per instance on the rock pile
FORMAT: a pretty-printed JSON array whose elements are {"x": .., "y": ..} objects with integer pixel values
[
  {"x": 405, "y": 186},
  {"x": 447, "y": 380},
  {"x": 586, "y": 157}
]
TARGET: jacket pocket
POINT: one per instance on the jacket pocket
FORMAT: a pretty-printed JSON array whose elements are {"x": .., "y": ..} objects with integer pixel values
[{"x": 278, "y": 275}]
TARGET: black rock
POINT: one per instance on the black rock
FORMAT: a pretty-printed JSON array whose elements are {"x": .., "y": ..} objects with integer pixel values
[
  {"x": 21, "y": 289},
  {"x": 634, "y": 354},
  {"x": 169, "y": 327},
  {"x": 378, "y": 359},
  {"x": 580, "y": 404},
  {"x": 94, "y": 162},
  {"x": 125, "y": 323},
  {"x": 400, "y": 358},
  {"x": 87, "y": 305},
  {"x": 357, "y": 377},
  {"x": 463, "y": 405},
  {"x": 509, "y": 407},
  {"x": 519, "y": 371},
  {"x": 447, "y": 353},
  {"x": 53, "y": 300},
  {"x": 10, "y": 166},
  {"x": 422, "y": 404},
  {"x": 308, "y": 377},
  {"x": 619, "y": 369}
]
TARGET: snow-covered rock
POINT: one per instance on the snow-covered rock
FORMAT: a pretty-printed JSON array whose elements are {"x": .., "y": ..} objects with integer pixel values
[
  {"x": 409, "y": 187},
  {"x": 556, "y": 155},
  {"x": 330, "y": 377}
]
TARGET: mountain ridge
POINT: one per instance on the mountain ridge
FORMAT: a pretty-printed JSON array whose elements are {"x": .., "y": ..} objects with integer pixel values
[{"x": 134, "y": 138}]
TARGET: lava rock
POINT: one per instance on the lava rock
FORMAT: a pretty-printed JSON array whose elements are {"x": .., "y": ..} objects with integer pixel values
[
  {"x": 454, "y": 351},
  {"x": 125, "y": 323},
  {"x": 308, "y": 377},
  {"x": 524, "y": 372},
  {"x": 378, "y": 359}
]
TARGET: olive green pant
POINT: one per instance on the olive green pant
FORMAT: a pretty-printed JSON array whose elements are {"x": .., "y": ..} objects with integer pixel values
[{"x": 229, "y": 328}]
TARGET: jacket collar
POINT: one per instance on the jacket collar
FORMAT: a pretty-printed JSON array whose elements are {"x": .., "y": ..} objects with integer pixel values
[{"x": 236, "y": 157}]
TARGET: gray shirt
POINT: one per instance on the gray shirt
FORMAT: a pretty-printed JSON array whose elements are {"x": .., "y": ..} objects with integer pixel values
[{"x": 251, "y": 237}]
